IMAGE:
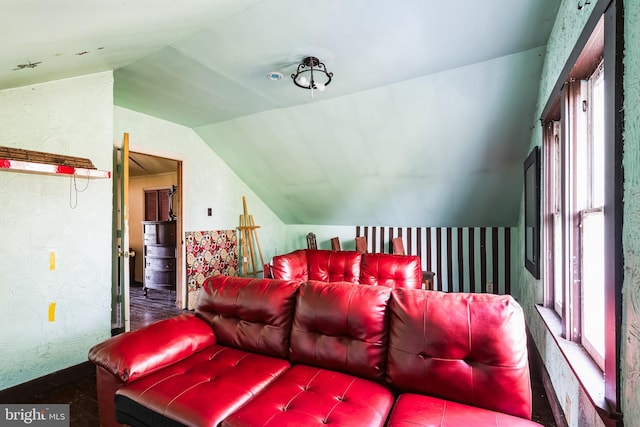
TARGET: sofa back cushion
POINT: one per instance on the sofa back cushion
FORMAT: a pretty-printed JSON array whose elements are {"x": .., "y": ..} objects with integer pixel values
[
  {"x": 334, "y": 266},
  {"x": 470, "y": 348},
  {"x": 290, "y": 266},
  {"x": 251, "y": 314},
  {"x": 394, "y": 271},
  {"x": 341, "y": 326}
]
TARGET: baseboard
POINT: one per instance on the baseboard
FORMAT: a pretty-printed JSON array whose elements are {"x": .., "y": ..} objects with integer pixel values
[
  {"x": 537, "y": 364},
  {"x": 24, "y": 393},
  {"x": 558, "y": 413},
  {"x": 117, "y": 331}
]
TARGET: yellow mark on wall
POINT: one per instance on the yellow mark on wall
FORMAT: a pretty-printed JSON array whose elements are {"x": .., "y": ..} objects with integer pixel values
[
  {"x": 52, "y": 312},
  {"x": 52, "y": 260}
]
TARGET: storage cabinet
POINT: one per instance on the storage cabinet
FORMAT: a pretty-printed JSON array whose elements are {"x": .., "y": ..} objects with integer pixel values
[{"x": 159, "y": 240}]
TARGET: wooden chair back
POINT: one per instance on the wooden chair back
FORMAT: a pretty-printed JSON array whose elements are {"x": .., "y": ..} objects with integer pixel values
[
  {"x": 335, "y": 244},
  {"x": 398, "y": 246},
  {"x": 311, "y": 241}
]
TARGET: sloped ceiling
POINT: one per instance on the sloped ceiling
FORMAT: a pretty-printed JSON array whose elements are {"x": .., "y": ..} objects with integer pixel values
[
  {"x": 426, "y": 122},
  {"x": 143, "y": 165}
]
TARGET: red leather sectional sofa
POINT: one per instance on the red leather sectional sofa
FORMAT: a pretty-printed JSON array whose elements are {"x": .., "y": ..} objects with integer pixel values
[
  {"x": 394, "y": 271},
  {"x": 274, "y": 353}
]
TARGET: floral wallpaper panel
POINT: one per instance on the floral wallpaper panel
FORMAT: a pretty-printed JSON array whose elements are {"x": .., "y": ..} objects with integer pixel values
[{"x": 209, "y": 253}]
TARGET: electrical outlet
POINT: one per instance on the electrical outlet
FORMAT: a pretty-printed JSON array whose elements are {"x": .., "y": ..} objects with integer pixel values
[
  {"x": 489, "y": 287},
  {"x": 209, "y": 212}
]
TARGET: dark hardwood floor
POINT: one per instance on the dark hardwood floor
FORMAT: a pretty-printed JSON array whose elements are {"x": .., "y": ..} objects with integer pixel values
[
  {"x": 156, "y": 306},
  {"x": 81, "y": 394}
]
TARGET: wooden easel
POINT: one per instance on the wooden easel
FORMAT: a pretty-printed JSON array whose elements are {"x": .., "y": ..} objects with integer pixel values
[{"x": 249, "y": 241}]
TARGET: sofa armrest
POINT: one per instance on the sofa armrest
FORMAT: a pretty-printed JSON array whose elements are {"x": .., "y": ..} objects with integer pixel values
[
  {"x": 291, "y": 266},
  {"x": 135, "y": 354}
]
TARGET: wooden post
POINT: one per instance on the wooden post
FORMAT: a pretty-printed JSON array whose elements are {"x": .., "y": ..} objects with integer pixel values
[
  {"x": 252, "y": 224},
  {"x": 249, "y": 238}
]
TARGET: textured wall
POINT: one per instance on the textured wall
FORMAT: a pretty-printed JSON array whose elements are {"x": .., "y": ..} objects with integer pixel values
[
  {"x": 208, "y": 181},
  {"x": 631, "y": 227},
  {"x": 71, "y": 117},
  {"x": 580, "y": 412}
]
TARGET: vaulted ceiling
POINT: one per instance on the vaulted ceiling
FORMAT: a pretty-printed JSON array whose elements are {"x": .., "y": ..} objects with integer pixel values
[{"x": 427, "y": 120}]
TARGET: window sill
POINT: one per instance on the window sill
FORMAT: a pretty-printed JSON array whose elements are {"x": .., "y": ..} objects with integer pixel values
[{"x": 589, "y": 375}]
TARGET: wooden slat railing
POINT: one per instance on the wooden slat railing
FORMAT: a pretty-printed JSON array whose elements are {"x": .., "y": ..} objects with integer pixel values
[{"x": 464, "y": 259}]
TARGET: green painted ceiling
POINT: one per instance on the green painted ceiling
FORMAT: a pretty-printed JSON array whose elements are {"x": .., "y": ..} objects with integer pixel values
[{"x": 426, "y": 122}]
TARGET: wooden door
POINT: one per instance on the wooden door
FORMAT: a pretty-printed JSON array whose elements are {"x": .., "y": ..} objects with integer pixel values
[{"x": 120, "y": 320}]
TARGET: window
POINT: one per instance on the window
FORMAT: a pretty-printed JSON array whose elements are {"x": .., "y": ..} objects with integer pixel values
[
  {"x": 553, "y": 214},
  {"x": 590, "y": 182},
  {"x": 574, "y": 147},
  {"x": 582, "y": 210}
]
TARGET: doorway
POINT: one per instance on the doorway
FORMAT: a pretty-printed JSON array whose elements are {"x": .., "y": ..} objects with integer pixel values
[{"x": 155, "y": 189}]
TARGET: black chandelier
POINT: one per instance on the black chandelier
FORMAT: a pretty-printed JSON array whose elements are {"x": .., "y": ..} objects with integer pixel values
[{"x": 308, "y": 71}]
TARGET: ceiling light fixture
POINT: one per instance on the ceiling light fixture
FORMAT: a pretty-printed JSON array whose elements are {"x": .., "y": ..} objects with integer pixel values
[{"x": 308, "y": 70}]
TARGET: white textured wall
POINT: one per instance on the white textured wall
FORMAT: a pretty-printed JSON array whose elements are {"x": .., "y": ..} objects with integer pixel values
[
  {"x": 569, "y": 24},
  {"x": 71, "y": 117},
  {"x": 207, "y": 181}
]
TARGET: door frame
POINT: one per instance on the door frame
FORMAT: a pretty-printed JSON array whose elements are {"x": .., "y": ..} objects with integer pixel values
[
  {"x": 120, "y": 321},
  {"x": 178, "y": 208}
]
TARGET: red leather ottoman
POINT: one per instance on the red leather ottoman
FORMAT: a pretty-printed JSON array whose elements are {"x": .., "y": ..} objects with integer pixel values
[
  {"x": 415, "y": 410},
  {"x": 200, "y": 390},
  {"x": 307, "y": 396}
]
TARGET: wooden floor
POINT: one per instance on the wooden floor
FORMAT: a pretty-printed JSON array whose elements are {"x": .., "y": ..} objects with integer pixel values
[
  {"x": 81, "y": 394},
  {"x": 156, "y": 306}
]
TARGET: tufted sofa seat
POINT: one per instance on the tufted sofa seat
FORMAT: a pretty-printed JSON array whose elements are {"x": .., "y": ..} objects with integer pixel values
[
  {"x": 272, "y": 352},
  {"x": 376, "y": 269}
]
